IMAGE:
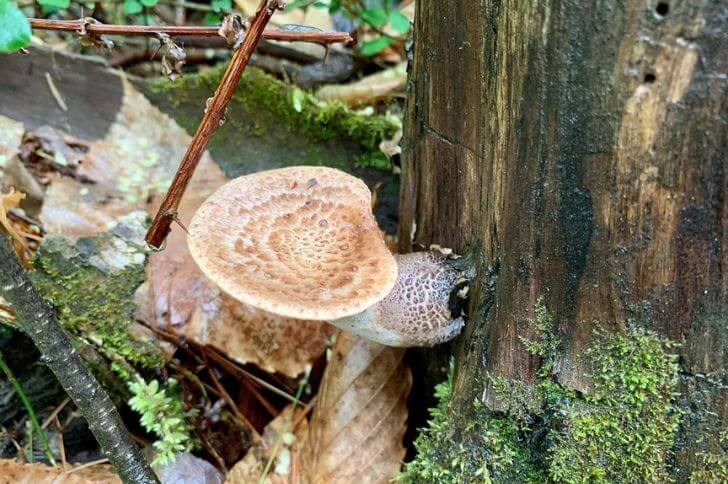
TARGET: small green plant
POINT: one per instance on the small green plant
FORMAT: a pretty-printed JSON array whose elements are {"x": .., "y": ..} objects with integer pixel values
[
  {"x": 381, "y": 19},
  {"x": 162, "y": 414},
  {"x": 219, "y": 8}
]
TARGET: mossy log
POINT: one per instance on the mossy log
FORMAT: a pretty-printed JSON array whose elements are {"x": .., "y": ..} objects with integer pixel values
[
  {"x": 576, "y": 152},
  {"x": 269, "y": 123}
]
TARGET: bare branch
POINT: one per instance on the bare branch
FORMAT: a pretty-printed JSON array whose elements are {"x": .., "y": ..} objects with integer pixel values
[
  {"x": 179, "y": 30},
  {"x": 214, "y": 114}
]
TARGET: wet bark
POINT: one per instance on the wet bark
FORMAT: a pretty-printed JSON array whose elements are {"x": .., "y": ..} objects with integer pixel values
[{"x": 576, "y": 150}]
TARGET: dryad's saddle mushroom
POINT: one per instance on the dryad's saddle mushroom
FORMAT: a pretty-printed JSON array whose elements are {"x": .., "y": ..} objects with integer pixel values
[{"x": 301, "y": 242}]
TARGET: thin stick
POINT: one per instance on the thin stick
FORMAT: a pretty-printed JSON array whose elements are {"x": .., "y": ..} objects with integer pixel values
[
  {"x": 210, "y": 122},
  {"x": 55, "y": 412},
  {"x": 60, "y": 444},
  {"x": 38, "y": 320},
  {"x": 177, "y": 30},
  {"x": 234, "y": 408},
  {"x": 86, "y": 466}
]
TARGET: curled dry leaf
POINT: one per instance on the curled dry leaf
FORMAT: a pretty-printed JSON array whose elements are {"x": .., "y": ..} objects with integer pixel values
[
  {"x": 356, "y": 431},
  {"x": 23, "y": 473},
  {"x": 7, "y": 201},
  {"x": 355, "y": 434}
]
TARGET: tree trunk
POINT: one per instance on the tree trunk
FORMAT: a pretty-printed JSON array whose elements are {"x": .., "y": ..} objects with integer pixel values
[{"x": 576, "y": 151}]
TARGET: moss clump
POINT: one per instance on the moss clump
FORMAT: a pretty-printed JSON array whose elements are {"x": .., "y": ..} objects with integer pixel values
[
  {"x": 91, "y": 282},
  {"x": 162, "y": 414},
  {"x": 622, "y": 431},
  {"x": 261, "y": 94},
  {"x": 490, "y": 446}
]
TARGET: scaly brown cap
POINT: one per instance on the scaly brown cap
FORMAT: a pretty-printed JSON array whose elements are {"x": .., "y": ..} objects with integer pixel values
[{"x": 300, "y": 242}]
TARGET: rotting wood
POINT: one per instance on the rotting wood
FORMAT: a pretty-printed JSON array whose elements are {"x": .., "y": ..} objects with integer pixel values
[{"x": 577, "y": 151}]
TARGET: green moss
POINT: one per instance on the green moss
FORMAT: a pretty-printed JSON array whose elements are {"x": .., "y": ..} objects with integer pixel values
[
  {"x": 622, "y": 431},
  {"x": 160, "y": 408},
  {"x": 489, "y": 447},
  {"x": 712, "y": 466},
  {"x": 91, "y": 282},
  {"x": 294, "y": 108}
]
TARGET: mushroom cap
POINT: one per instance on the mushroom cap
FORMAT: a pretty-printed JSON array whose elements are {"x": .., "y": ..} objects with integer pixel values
[{"x": 299, "y": 242}]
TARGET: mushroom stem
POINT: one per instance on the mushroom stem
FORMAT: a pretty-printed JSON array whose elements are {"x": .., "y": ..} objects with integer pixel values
[{"x": 423, "y": 309}]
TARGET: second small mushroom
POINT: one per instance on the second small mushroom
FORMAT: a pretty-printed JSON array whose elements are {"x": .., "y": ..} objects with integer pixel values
[{"x": 301, "y": 242}]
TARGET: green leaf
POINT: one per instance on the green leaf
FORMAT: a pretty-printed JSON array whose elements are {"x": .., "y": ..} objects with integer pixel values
[
  {"x": 374, "y": 16},
  {"x": 211, "y": 18},
  {"x": 334, "y": 6},
  {"x": 14, "y": 27},
  {"x": 55, "y": 3},
  {"x": 399, "y": 21},
  {"x": 371, "y": 47},
  {"x": 149, "y": 3},
  {"x": 132, "y": 6},
  {"x": 297, "y": 98},
  {"x": 221, "y": 5}
]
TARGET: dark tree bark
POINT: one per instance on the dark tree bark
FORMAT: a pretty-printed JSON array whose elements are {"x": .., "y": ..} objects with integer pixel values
[{"x": 577, "y": 151}]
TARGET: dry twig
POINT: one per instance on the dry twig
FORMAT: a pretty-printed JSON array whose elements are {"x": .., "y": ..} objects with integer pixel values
[
  {"x": 179, "y": 30},
  {"x": 211, "y": 120}
]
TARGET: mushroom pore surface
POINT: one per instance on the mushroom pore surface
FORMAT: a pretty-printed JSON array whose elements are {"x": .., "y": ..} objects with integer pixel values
[
  {"x": 300, "y": 242},
  {"x": 419, "y": 310}
]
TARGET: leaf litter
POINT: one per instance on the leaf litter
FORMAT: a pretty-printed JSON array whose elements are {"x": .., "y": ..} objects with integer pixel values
[{"x": 359, "y": 415}]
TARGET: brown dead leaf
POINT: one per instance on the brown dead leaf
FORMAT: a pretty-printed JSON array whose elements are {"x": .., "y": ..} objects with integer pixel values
[
  {"x": 23, "y": 473},
  {"x": 355, "y": 434},
  {"x": 18, "y": 230},
  {"x": 283, "y": 435},
  {"x": 356, "y": 431},
  {"x": 7, "y": 201},
  {"x": 133, "y": 163},
  {"x": 46, "y": 149}
]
